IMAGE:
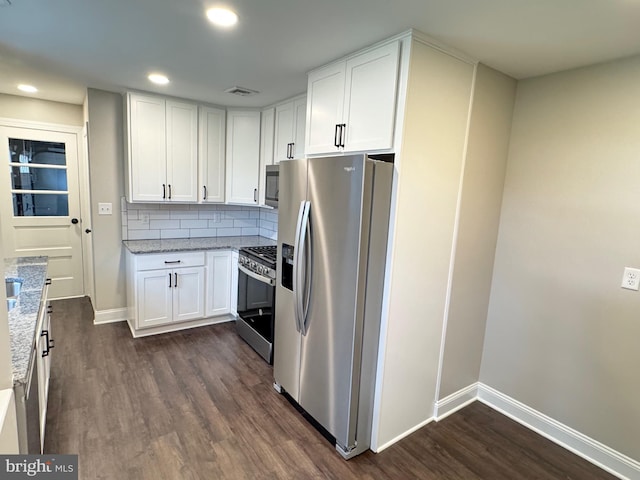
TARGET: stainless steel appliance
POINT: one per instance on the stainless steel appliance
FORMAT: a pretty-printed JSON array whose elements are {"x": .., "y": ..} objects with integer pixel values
[
  {"x": 272, "y": 185},
  {"x": 332, "y": 243},
  {"x": 256, "y": 280}
]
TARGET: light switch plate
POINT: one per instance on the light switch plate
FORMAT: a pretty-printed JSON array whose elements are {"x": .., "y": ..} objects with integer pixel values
[{"x": 105, "y": 209}]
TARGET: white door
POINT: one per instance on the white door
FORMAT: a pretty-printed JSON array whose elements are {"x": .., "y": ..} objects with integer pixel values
[
  {"x": 243, "y": 156},
  {"x": 324, "y": 108},
  {"x": 155, "y": 297},
  {"x": 182, "y": 151},
  {"x": 300, "y": 109},
  {"x": 188, "y": 293},
  {"x": 147, "y": 148},
  {"x": 218, "y": 283},
  {"x": 211, "y": 154},
  {"x": 284, "y": 125},
  {"x": 40, "y": 209},
  {"x": 370, "y": 99}
]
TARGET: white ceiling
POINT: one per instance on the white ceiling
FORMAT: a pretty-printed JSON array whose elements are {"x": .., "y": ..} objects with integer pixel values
[{"x": 63, "y": 46}]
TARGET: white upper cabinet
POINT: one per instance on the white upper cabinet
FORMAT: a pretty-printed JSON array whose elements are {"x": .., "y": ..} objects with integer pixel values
[
  {"x": 243, "y": 156},
  {"x": 211, "y": 154},
  {"x": 182, "y": 151},
  {"x": 162, "y": 150},
  {"x": 351, "y": 104},
  {"x": 290, "y": 119},
  {"x": 147, "y": 148}
]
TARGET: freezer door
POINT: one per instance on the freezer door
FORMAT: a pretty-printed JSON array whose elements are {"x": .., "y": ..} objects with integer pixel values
[
  {"x": 286, "y": 345},
  {"x": 331, "y": 345}
]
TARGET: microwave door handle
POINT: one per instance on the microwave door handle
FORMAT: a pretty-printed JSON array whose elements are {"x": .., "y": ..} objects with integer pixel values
[
  {"x": 297, "y": 298},
  {"x": 308, "y": 270}
]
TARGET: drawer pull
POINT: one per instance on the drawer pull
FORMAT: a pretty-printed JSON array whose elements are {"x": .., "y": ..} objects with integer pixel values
[{"x": 173, "y": 261}]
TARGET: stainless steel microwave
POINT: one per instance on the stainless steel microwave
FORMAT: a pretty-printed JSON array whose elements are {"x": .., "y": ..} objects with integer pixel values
[{"x": 272, "y": 186}]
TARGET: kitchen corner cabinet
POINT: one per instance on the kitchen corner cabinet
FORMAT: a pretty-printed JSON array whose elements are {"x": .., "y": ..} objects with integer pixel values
[
  {"x": 178, "y": 290},
  {"x": 162, "y": 155},
  {"x": 243, "y": 156},
  {"x": 211, "y": 154},
  {"x": 351, "y": 103},
  {"x": 218, "y": 284},
  {"x": 290, "y": 119},
  {"x": 167, "y": 288}
]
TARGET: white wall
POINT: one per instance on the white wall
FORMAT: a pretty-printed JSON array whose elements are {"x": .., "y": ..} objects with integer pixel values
[
  {"x": 106, "y": 178},
  {"x": 44, "y": 111},
  {"x": 429, "y": 172},
  {"x": 562, "y": 336},
  {"x": 478, "y": 219}
]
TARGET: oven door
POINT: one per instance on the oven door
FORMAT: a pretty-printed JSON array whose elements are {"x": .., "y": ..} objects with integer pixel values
[{"x": 256, "y": 302}]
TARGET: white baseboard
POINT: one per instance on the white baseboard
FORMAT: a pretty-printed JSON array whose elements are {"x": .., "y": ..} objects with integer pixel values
[
  {"x": 456, "y": 401},
  {"x": 378, "y": 449},
  {"x": 109, "y": 316},
  {"x": 591, "y": 450}
]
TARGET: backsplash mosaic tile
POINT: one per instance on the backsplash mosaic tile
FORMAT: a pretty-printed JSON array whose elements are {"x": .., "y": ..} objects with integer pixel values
[{"x": 157, "y": 221}]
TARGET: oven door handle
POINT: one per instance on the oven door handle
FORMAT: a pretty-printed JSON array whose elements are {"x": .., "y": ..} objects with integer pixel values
[{"x": 255, "y": 276}]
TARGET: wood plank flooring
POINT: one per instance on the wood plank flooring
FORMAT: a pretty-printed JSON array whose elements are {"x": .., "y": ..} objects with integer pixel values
[{"x": 199, "y": 404}]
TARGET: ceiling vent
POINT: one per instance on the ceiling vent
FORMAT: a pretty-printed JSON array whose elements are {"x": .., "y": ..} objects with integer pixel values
[{"x": 241, "y": 91}]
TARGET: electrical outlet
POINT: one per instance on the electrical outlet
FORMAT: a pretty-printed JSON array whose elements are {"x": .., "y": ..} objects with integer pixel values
[
  {"x": 631, "y": 278},
  {"x": 104, "y": 209},
  {"x": 144, "y": 218},
  {"x": 217, "y": 217}
]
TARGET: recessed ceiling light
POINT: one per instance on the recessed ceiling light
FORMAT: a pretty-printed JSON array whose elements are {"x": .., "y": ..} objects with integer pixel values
[
  {"x": 27, "y": 88},
  {"x": 223, "y": 17},
  {"x": 158, "y": 78}
]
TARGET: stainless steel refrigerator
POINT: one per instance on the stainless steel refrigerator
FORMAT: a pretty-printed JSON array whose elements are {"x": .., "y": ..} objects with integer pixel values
[{"x": 333, "y": 220}]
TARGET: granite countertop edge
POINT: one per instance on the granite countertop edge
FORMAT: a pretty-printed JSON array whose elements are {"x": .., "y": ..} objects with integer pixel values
[
  {"x": 195, "y": 244},
  {"x": 23, "y": 318}
]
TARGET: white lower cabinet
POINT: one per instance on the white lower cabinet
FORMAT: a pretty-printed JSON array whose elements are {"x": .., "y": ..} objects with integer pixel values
[
  {"x": 218, "y": 284},
  {"x": 170, "y": 295},
  {"x": 174, "y": 291}
]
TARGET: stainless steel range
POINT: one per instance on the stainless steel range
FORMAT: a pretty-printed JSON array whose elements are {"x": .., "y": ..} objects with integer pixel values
[{"x": 256, "y": 298}]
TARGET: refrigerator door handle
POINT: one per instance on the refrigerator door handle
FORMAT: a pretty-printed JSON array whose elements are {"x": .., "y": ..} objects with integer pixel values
[
  {"x": 301, "y": 254},
  {"x": 308, "y": 258},
  {"x": 296, "y": 269}
]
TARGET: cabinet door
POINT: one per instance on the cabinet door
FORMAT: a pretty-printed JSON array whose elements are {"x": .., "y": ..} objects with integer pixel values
[
  {"x": 300, "y": 117},
  {"x": 182, "y": 151},
  {"x": 284, "y": 127},
  {"x": 188, "y": 293},
  {"x": 154, "y": 294},
  {"x": 43, "y": 367},
  {"x": 324, "y": 108},
  {"x": 218, "y": 297},
  {"x": 147, "y": 148},
  {"x": 370, "y": 99},
  {"x": 211, "y": 154},
  {"x": 234, "y": 283},
  {"x": 243, "y": 156}
]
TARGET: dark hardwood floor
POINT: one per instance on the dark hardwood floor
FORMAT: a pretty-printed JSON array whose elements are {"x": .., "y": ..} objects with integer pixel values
[{"x": 199, "y": 404}]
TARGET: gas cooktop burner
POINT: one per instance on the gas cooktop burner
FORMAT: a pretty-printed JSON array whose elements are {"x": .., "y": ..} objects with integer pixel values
[{"x": 267, "y": 254}]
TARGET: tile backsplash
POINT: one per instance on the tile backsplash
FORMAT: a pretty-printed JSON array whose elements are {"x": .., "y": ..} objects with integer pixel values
[{"x": 156, "y": 221}]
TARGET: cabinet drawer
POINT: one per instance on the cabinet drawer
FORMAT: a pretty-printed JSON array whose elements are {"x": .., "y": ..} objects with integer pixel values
[{"x": 157, "y": 261}]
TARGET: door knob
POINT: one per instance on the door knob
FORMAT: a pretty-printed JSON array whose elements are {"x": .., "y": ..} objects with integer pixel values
[{"x": 74, "y": 221}]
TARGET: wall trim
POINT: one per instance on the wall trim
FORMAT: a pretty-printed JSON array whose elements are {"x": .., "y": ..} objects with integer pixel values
[
  {"x": 109, "y": 316},
  {"x": 456, "y": 401},
  {"x": 591, "y": 450},
  {"x": 402, "y": 435}
]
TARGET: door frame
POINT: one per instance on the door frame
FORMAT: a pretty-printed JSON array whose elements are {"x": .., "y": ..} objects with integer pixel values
[{"x": 84, "y": 190}]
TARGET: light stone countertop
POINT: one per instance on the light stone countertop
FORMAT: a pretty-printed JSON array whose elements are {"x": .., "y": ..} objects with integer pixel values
[
  {"x": 195, "y": 244},
  {"x": 23, "y": 318}
]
